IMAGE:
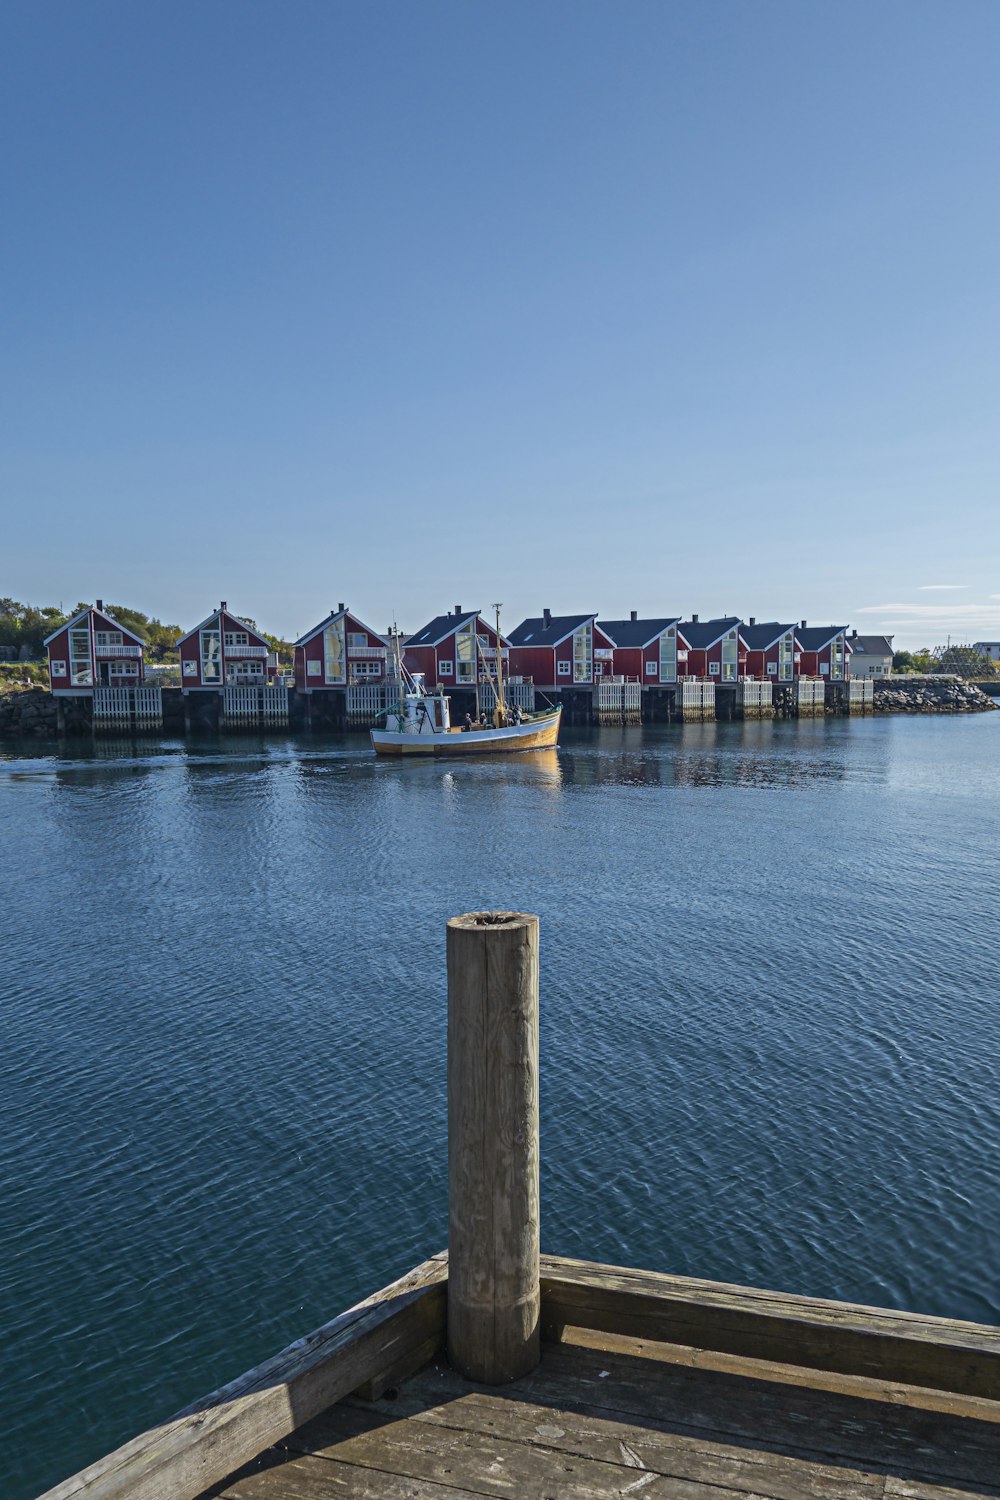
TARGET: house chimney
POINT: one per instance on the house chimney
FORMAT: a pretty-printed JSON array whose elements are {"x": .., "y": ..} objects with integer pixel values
[
  {"x": 458, "y": 609},
  {"x": 340, "y": 609},
  {"x": 100, "y": 605},
  {"x": 752, "y": 620},
  {"x": 803, "y": 624},
  {"x": 547, "y": 616},
  {"x": 694, "y": 619},
  {"x": 223, "y": 605},
  {"x": 633, "y": 615}
]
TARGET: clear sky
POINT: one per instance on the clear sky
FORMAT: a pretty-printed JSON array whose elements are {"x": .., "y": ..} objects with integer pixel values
[{"x": 657, "y": 306}]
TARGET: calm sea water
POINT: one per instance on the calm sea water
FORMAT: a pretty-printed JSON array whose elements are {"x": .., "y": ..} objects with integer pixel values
[{"x": 770, "y": 1032}]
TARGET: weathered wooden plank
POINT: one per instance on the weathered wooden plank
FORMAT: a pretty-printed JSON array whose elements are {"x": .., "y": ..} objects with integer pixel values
[
  {"x": 493, "y": 1204},
  {"x": 492, "y": 1464},
  {"x": 939, "y": 1352},
  {"x": 781, "y": 1418},
  {"x": 595, "y": 1434},
  {"x": 202, "y": 1444},
  {"x": 317, "y": 1479}
]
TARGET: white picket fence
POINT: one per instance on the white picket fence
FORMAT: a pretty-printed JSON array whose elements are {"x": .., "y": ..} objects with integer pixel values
[
  {"x": 127, "y": 708},
  {"x": 754, "y": 699},
  {"x": 694, "y": 698},
  {"x": 810, "y": 696},
  {"x": 366, "y": 700},
  {"x": 256, "y": 705},
  {"x": 617, "y": 700}
]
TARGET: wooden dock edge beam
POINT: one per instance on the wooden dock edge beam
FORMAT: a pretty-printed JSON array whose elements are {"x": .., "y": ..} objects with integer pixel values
[
  {"x": 403, "y": 1326},
  {"x": 847, "y": 1338},
  {"x": 390, "y": 1334}
]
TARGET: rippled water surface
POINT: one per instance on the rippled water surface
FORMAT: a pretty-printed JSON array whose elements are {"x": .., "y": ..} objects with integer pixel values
[{"x": 770, "y": 1032}]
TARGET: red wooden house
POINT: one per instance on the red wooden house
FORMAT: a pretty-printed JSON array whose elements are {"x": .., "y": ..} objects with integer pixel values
[
  {"x": 824, "y": 651},
  {"x": 338, "y": 652},
  {"x": 223, "y": 650},
  {"x": 711, "y": 648},
  {"x": 645, "y": 650},
  {"x": 93, "y": 650},
  {"x": 560, "y": 651},
  {"x": 450, "y": 650},
  {"x": 771, "y": 652}
]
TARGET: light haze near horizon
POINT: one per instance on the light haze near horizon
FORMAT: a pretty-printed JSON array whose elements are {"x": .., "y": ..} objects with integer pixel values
[{"x": 595, "y": 307}]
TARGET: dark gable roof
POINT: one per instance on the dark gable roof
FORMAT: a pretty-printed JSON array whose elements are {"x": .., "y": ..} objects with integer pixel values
[
  {"x": 539, "y": 632},
  {"x": 815, "y": 637},
  {"x": 705, "y": 633},
  {"x": 440, "y": 628},
  {"x": 759, "y": 637},
  {"x": 635, "y": 632},
  {"x": 871, "y": 645}
]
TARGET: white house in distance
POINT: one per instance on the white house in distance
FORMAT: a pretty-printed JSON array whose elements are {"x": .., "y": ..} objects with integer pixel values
[
  {"x": 871, "y": 655},
  {"x": 989, "y": 649}
]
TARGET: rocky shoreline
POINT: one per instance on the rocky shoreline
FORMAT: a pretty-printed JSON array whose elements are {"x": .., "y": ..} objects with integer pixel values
[{"x": 930, "y": 695}]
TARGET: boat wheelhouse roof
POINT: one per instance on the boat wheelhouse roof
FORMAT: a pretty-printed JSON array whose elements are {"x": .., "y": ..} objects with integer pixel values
[
  {"x": 82, "y": 614},
  {"x": 222, "y": 610},
  {"x": 759, "y": 637},
  {"x": 700, "y": 634},
  {"x": 335, "y": 614},
  {"x": 815, "y": 637},
  {"x": 636, "y": 632},
  {"x": 551, "y": 631}
]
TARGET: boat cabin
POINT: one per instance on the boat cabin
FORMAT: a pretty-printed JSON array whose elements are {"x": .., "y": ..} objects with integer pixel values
[
  {"x": 93, "y": 650},
  {"x": 645, "y": 650},
  {"x": 711, "y": 648},
  {"x": 561, "y": 651},
  {"x": 456, "y": 650},
  {"x": 420, "y": 712},
  {"x": 825, "y": 651},
  {"x": 340, "y": 651},
  {"x": 225, "y": 651},
  {"x": 771, "y": 652}
]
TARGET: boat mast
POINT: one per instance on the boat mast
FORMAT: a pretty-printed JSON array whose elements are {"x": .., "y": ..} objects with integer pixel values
[{"x": 501, "y": 705}]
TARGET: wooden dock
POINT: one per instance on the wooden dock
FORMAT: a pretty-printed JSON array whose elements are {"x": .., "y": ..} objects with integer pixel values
[{"x": 497, "y": 1371}]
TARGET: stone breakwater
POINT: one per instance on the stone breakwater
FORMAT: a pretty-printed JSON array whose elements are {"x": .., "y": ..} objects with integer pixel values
[
  {"x": 930, "y": 695},
  {"x": 29, "y": 711}
]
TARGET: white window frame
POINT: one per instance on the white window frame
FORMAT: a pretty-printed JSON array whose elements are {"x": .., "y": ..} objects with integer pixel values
[
  {"x": 356, "y": 640},
  {"x": 57, "y": 668},
  {"x": 234, "y": 638},
  {"x": 446, "y": 669},
  {"x": 189, "y": 669},
  {"x": 652, "y": 668},
  {"x": 314, "y": 669},
  {"x": 772, "y": 669},
  {"x": 713, "y": 669},
  {"x": 564, "y": 668}
]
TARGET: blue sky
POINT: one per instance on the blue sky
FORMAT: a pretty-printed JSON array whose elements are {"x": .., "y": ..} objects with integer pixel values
[{"x": 668, "y": 307}]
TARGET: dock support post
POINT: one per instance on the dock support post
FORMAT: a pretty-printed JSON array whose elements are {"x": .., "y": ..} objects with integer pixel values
[{"x": 493, "y": 1218}]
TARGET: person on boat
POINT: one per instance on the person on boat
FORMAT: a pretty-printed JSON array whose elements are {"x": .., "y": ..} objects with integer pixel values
[
  {"x": 468, "y": 724},
  {"x": 518, "y": 716}
]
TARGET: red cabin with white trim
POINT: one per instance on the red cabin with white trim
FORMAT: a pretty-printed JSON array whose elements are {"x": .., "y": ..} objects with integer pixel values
[
  {"x": 561, "y": 651},
  {"x": 93, "y": 650},
  {"x": 643, "y": 650},
  {"x": 339, "y": 652},
  {"x": 711, "y": 648},
  {"x": 223, "y": 651},
  {"x": 825, "y": 651},
  {"x": 771, "y": 653},
  {"x": 456, "y": 650}
]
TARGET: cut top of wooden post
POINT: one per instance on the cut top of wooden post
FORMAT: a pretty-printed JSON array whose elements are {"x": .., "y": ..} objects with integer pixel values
[{"x": 473, "y": 919}]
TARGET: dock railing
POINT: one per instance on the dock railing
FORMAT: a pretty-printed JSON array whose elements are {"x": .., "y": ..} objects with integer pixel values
[{"x": 493, "y": 1297}]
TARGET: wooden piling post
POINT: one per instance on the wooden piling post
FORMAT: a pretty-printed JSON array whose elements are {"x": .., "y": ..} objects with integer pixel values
[{"x": 493, "y": 1220}]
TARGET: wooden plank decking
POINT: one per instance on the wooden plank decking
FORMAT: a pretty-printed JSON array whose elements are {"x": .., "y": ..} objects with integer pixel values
[{"x": 605, "y": 1415}]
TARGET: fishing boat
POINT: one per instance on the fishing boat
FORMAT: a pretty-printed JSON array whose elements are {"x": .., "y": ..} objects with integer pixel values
[{"x": 419, "y": 723}]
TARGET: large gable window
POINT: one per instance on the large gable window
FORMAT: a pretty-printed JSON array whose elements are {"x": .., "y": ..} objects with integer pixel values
[
  {"x": 465, "y": 652},
  {"x": 583, "y": 654},
  {"x": 211, "y": 655},
  {"x": 334, "y": 654},
  {"x": 668, "y": 656},
  {"x": 81, "y": 672}
]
